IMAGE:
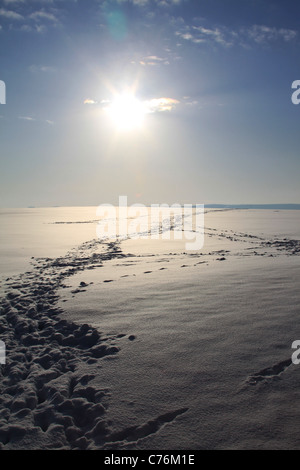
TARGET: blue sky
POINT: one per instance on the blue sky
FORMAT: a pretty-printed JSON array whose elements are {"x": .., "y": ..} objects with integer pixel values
[{"x": 215, "y": 76}]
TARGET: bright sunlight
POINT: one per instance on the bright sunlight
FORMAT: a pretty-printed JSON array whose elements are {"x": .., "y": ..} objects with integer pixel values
[{"x": 127, "y": 112}]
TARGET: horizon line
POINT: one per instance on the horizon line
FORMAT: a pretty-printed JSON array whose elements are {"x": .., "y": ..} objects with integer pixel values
[{"x": 209, "y": 206}]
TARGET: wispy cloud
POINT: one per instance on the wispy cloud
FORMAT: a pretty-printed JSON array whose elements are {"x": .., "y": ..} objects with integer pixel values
[
  {"x": 31, "y": 119},
  {"x": 262, "y": 34},
  {"x": 35, "y": 16},
  {"x": 153, "y": 60},
  {"x": 160, "y": 105},
  {"x": 135, "y": 2},
  {"x": 188, "y": 101},
  {"x": 218, "y": 35},
  {"x": 38, "y": 28},
  {"x": 168, "y": 3},
  {"x": 225, "y": 37},
  {"x": 43, "y": 15},
  {"x": 89, "y": 101},
  {"x": 162, "y": 3},
  {"x": 41, "y": 68},
  {"x": 200, "y": 34},
  {"x": 153, "y": 105},
  {"x": 10, "y": 2},
  {"x": 150, "y": 106},
  {"x": 26, "y": 118},
  {"x": 11, "y": 15}
]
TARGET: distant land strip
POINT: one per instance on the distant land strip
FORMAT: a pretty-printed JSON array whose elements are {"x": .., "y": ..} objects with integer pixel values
[
  {"x": 206, "y": 206},
  {"x": 253, "y": 206}
]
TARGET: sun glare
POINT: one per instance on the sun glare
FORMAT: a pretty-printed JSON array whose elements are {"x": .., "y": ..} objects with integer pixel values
[{"x": 127, "y": 112}]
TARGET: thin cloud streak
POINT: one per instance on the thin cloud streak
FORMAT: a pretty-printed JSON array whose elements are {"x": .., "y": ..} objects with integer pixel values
[{"x": 225, "y": 37}]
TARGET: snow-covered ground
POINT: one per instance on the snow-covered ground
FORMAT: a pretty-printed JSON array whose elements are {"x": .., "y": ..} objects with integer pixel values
[{"x": 142, "y": 344}]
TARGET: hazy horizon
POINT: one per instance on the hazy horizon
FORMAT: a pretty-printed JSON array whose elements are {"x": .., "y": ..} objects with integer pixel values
[{"x": 279, "y": 206}]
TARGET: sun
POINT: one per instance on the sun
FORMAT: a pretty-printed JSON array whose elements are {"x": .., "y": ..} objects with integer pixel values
[{"x": 127, "y": 112}]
